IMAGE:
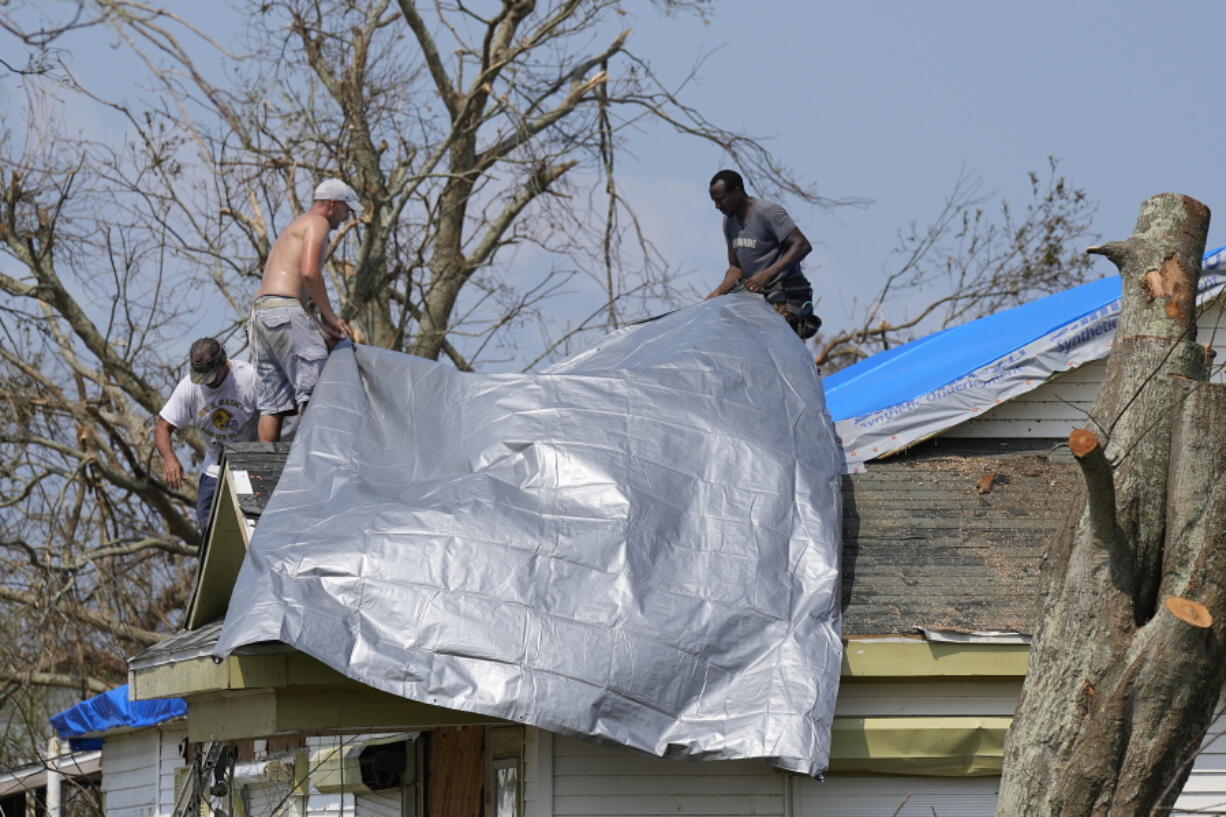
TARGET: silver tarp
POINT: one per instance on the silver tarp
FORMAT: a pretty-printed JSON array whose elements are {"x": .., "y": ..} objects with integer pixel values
[{"x": 638, "y": 545}]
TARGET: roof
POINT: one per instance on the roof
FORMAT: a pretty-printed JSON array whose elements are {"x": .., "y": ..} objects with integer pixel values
[
  {"x": 262, "y": 464},
  {"x": 485, "y": 542},
  {"x": 925, "y": 364},
  {"x": 906, "y": 394},
  {"x": 949, "y": 536},
  {"x": 84, "y": 723},
  {"x": 922, "y": 546},
  {"x": 249, "y": 474},
  {"x": 34, "y": 775}
]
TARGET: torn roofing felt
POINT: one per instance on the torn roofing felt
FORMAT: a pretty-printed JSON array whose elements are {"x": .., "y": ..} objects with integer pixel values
[
  {"x": 638, "y": 545},
  {"x": 894, "y": 398}
]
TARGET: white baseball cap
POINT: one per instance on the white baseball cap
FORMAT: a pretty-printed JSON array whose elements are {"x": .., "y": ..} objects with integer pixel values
[{"x": 337, "y": 190}]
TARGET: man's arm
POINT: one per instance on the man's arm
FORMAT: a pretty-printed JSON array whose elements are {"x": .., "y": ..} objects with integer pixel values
[
  {"x": 731, "y": 276},
  {"x": 172, "y": 470},
  {"x": 795, "y": 248},
  {"x": 311, "y": 270}
]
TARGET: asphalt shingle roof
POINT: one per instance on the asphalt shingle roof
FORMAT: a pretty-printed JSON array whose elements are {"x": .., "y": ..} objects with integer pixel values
[{"x": 924, "y": 544}]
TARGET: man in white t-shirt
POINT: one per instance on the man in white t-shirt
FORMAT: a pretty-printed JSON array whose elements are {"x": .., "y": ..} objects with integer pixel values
[{"x": 218, "y": 396}]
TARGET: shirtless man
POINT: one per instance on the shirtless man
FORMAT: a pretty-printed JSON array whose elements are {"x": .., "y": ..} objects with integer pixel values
[{"x": 290, "y": 347}]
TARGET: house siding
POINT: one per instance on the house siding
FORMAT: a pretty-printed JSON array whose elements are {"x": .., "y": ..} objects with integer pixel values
[
  {"x": 170, "y": 760},
  {"x": 881, "y": 796},
  {"x": 380, "y": 804},
  {"x": 130, "y": 780},
  {"x": 1056, "y": 407},
  {"x": 138, "y": 772},
  {"x": 538, "y": 772},
  {"x": 272, "y": 799},
  {"x": 595, "y": 780},
  {"x": 1205, "y": 790}
]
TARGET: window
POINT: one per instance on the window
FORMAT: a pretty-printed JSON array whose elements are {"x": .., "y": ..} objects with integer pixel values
[
  {"x": 506, "y": 788},
  {"x": 506, "y": 752}
]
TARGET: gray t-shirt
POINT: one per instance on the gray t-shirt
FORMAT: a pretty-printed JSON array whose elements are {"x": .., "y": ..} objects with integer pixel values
[{"x": 758, "y": 243}]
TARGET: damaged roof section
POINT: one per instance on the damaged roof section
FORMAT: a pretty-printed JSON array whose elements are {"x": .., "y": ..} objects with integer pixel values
[{"x": 925, "y": 547}]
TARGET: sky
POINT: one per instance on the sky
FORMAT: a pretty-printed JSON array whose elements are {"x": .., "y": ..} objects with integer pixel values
[{"x": 889, "y": 101}]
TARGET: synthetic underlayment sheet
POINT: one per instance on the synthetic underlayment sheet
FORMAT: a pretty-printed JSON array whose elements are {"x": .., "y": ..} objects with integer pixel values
[{"x": 639, "y": 545}]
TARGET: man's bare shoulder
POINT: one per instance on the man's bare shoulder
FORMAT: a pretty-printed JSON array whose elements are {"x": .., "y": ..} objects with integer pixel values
[{"x": 303, "y": 224}]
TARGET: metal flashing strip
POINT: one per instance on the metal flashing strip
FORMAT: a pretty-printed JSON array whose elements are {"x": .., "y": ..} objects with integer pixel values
[
  {"x": 984, "y": 637},
  {"x": 242, "y": 482}
]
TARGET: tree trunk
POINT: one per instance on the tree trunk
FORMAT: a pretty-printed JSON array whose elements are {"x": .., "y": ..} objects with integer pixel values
[{"x": 1128, "y": 661}]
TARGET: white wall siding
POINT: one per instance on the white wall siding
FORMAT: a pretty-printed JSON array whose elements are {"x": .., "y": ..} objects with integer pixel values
[
  {"x": 130, "y": 766},
  {"x": 1052, "y": 409},
  {"x": 1056, "y": 407},
  {"x": 538, "y": 772},
  {"x": 1211, "y": 329},
  {"x": 595, "y": 780},
  {"x": 883, "y": 796},
  {"x": 272, "y": 799},
  {"x": 170, "y": 759},
  {"x": 379, "y": 804},
  {"x": 1206, "y": 786},
  {"x": 329, "y": 805}
]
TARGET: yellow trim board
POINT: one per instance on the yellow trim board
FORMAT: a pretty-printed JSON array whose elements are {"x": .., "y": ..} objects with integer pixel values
[
  {"x": 861, "y": 660},
  {"x": 261, "y": 695},
  {"x": 264, "y": 712},
  {"x": 936, "y": 746},
  {"x": 872, "y": 658},
  {"x": 932, "y": 746},
  {"x": 203, "y": 675},
  {"x": 223, "y": 556}
]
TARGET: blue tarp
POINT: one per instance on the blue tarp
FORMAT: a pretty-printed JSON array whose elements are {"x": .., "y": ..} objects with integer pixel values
[
  {"x": 112, "y": 710},
  {"x": 904, "y": 372},
  {"x": 900, "y": 396}
]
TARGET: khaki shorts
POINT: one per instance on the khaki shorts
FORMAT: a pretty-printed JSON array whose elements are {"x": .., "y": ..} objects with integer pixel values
[{"x": 289, "y": 351}]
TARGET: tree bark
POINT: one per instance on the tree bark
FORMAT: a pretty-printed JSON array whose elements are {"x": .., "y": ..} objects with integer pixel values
[{"x": 1120, "y": 689}]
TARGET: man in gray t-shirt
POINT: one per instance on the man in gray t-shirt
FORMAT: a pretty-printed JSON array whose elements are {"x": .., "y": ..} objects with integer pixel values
[{"x": 765, "y": 248}]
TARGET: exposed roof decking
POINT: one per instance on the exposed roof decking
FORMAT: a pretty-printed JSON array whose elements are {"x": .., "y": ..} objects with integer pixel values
[{"x": 922, "y": 547}]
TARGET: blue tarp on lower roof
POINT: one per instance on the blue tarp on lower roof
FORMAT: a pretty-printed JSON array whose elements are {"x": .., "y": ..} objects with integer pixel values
[
  {"x": 112, "y": 710},
  {"x": 926, "y": 364}
]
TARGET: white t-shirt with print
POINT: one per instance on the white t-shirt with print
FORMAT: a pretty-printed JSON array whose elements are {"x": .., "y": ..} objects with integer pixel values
[{"x": 226, "y": 414}]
